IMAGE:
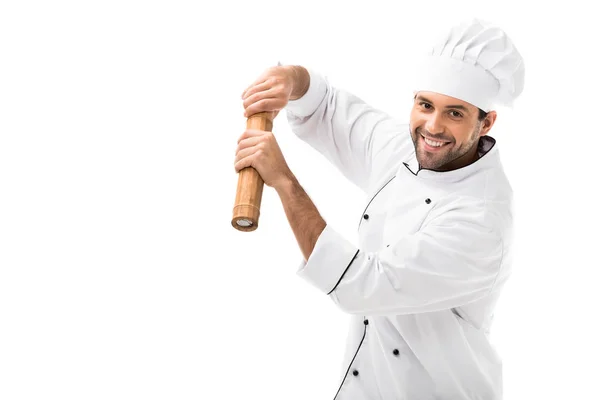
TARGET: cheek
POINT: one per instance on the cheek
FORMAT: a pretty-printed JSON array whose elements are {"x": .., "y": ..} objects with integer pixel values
[
  {"x": 467, "y": 135},
  {"x": 416, "y": 119}
]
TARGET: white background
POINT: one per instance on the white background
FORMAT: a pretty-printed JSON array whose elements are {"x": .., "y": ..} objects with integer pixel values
[{"x": 120, "y": 274}]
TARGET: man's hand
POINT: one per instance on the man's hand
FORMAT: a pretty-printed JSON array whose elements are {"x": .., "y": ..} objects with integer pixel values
[
  {"x": 274, "y": 88},
  {"x": 259, "y": 149}
]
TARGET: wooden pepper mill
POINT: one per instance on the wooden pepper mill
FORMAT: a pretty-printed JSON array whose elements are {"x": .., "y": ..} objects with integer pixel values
[{"x": 250, "y": 184}]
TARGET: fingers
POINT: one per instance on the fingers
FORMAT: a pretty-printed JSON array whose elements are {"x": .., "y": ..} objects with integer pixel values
[
  {"x": 240, "y": 155},
  {"x": 265, "y": 105},
  {"x": 270, "y": 92},
  {"x": 250, "y": 137},
  {"x": 255, "y": 88},
  {"x": 245, "y": 157},
  {"x": 250, "y": 142},
  {"x": 260, "y": 80},
  {"x": 254, "y": 96}
]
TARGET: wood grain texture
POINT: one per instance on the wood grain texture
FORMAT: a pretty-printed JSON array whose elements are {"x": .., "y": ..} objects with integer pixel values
[{"x": 246, "y": 210}]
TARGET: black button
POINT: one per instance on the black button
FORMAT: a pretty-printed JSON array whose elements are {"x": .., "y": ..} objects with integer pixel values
[
  {"x": 355, "y": 372},
  {"x": 366, "y": 322},
  {"x": 427, "y": 201},
  {"x": 396, "y": 352},
  {"x": 366, "y": 216}
]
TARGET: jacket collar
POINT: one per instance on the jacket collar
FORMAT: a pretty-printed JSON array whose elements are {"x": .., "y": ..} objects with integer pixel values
[{"x": 488, "y": 157}]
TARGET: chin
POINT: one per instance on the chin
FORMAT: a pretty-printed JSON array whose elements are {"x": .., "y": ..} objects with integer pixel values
[
  {"x": 427, "y": 165},
  {"x": 428, "y": 162}
]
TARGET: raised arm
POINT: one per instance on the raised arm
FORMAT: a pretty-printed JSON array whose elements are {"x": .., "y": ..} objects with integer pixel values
[{"x": 360, "y": 140}]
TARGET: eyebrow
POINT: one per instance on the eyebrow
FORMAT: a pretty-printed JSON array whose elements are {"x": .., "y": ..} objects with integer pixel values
[{"x": 456, "y": 106}]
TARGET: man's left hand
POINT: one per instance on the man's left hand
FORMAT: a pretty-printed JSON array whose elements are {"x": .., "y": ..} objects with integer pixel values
[{"x": 259, "y": 149}]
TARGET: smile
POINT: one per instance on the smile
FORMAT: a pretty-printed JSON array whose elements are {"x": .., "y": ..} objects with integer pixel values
[{"x": 432, "y": 144}]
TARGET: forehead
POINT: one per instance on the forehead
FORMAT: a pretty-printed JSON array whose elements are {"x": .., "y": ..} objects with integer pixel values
[{"x": 442, "y": 100}]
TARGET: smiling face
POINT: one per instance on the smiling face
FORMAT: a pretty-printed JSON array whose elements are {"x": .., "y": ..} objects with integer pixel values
[{"x": 446, "y": 131}]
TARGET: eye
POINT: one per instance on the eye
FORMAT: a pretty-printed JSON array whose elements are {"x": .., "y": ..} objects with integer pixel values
[
  {"x": 426, "y": 106},
  {"x": 455, "y": 114}
]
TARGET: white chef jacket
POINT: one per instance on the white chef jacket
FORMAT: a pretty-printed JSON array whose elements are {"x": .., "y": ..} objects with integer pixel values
[{"x": 434, "y": 253}]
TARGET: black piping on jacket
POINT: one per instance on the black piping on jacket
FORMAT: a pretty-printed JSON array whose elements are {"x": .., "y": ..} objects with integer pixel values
[
  {"x": 338, "y": 282},
  {"x": 350, "y": 365},
  {"x": 373, "y": 198}
]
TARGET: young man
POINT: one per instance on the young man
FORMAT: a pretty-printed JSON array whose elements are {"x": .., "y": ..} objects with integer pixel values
[{"x": 435, "y": 241}]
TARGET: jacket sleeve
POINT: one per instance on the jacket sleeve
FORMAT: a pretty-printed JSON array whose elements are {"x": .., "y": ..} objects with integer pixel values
[
  {"x": 359, "y": 140},
  {"x": 455, "y": 259}
]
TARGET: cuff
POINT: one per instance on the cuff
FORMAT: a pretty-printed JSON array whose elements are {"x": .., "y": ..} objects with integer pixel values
[
  {"x": 329, "y": 261},
  {"x": 308, "y": 103}
]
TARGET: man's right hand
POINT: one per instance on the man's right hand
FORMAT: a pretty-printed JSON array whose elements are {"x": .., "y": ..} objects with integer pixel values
[{"x": 274, "y": 88}]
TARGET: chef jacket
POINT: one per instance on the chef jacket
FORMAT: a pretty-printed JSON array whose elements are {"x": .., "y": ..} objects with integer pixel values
[{"x": 434, "y": 251}]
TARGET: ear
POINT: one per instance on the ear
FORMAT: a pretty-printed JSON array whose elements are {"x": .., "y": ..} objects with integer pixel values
[{"x": 488, "y": 122}]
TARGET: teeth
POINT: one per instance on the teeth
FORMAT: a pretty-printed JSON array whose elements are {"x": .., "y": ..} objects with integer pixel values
[{"x": 432, "y": 143}]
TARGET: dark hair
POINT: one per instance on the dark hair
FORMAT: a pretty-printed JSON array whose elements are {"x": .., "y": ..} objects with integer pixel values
[{"x": 482, "y": 114}]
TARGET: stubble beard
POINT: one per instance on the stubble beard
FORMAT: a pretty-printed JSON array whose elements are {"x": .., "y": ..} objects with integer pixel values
[{"x": 437, "y": 160}]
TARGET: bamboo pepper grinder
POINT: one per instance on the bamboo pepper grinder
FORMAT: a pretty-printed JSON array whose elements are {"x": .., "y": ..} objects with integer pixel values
[{"x": 246, "y": 210}]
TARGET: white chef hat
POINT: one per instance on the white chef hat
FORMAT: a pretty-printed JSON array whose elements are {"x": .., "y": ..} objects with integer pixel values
[{"x": 475, "y": 62}]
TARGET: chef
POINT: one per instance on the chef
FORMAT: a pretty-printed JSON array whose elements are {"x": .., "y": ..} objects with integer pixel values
[{"x": 435, "y": 238}]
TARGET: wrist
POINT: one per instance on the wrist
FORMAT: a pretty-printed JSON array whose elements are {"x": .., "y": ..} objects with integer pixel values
[
  {"x": 285, "y": 185},
  {"x": 300, "y": 79}
]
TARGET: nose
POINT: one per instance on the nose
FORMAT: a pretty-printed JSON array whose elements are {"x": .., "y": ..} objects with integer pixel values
[{"x": 434, "y": 124}]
